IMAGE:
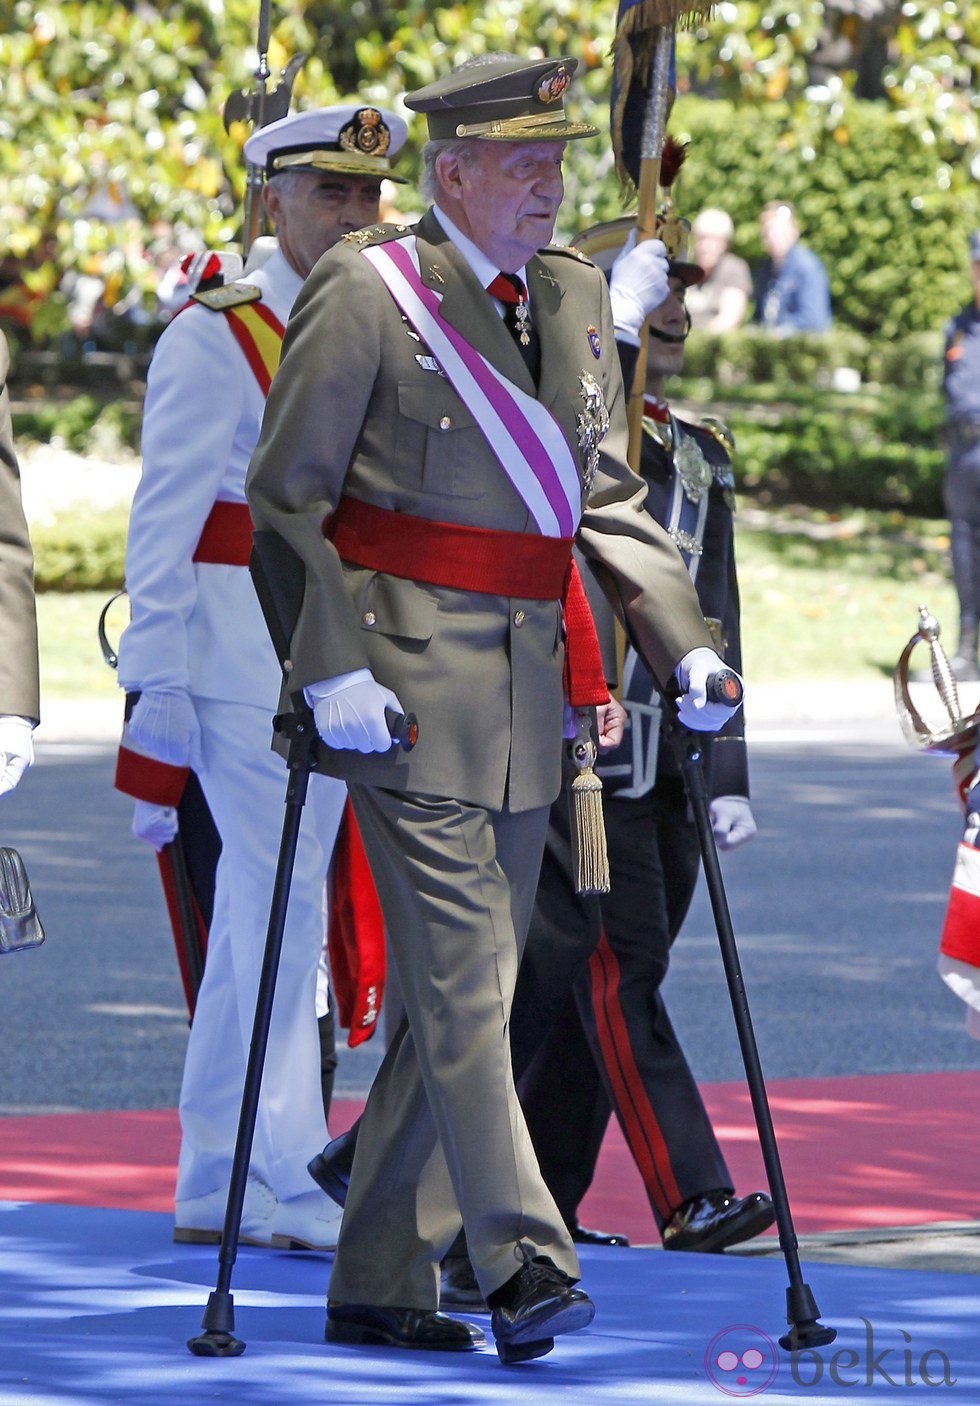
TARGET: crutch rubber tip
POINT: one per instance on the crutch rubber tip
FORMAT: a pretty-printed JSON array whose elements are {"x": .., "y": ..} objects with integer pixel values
[
  {"x": 807, "y": 1335},
  {"x": 212, "y": 1344}
]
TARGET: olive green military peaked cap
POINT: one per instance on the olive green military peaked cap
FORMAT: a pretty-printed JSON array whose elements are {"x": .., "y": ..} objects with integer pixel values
[{"x": 502, "y": 98}]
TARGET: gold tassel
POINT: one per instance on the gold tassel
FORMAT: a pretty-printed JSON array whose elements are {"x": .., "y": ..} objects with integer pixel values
[{"x": 589, "y": 857}]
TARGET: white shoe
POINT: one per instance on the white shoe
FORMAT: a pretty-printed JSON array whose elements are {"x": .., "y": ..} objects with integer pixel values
[
  {"x": 200, "y": 1220},
  {"x": 310, "y": 1221}
]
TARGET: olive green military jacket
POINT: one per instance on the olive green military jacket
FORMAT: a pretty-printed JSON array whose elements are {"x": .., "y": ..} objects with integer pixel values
[
  {"x": 18, "y": 623},
  {"x": 354, "y": 410}
]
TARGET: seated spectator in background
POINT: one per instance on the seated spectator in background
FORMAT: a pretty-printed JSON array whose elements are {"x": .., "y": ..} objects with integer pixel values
[
  {"x": 720, "y": 301},
  {"x": 791, "y": 289}
]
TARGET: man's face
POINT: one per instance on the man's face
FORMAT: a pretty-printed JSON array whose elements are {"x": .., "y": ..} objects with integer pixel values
[
  {"x": 508, "y": 194},
  {"x": 667, "y": 358},
  {"x": 709, "y": 246},
  {"x": 779, "y": 232},
  {"x": 313, "y": 210}
]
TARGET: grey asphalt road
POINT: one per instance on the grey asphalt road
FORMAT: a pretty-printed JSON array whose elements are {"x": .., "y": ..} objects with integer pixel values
[{"x": 837, "y": 905}]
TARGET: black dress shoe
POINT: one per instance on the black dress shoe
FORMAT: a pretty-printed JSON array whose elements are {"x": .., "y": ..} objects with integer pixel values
[
  {"x": 533, "y": 1307},
  {"x": 368, "y": 1326},
  {"x": 717, "y": 1219},
  {"x": 458, "y": 1288},
  {"x": 582, "y": 1236},
  {"x": 331, "y": 1168}
]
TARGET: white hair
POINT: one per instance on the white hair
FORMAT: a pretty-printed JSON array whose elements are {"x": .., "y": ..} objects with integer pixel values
[
  {"x": 461, "y": 147},
  {"x": 713, "y": 221}
]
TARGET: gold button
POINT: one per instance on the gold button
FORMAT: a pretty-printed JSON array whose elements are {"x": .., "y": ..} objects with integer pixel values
[
  {"x": 369, "y": 618},
  {"x": 287, "y": 666},
  {"x": 445, "y": 423},
  {"x": 519, "y": 618}
]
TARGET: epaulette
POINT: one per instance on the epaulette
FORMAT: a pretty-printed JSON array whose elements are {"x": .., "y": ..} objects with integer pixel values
[
  {"x": 375, "y": 234},
  {"x": 719, "y": 431},
  {"x": 229, "y": 295},
  {"x": 569, "y": 253},
  {"x": 660, "y": 432}
]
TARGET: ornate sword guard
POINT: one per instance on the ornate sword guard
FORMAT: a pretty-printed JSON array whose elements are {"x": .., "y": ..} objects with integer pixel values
[{"x": 956, "y": 732}]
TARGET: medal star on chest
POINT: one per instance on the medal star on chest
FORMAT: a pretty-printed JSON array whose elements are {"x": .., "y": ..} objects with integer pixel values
[
  {"x": 691, "y": 466},
  {"x": 591, "y": 424}
]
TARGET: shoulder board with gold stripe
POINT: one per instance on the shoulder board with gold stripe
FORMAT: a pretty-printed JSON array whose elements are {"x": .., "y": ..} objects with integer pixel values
[
  {"x": 568, "y": 253},
  {"x": 719, "y": 431},
  {"x": 375, "y": 234},
  {"x": 660, "y": 433},
  {"x": 230, "y": 295}
]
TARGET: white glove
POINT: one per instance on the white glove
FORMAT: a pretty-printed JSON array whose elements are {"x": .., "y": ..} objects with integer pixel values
[
  {"x": 732, "y": 822},
  {"x": 157, "y": 825},
  {"x": 16, "y": 751},
  {"x": 693, "y": 707},
  {"x": 164, "y": 724},
  {"x": 638, "y": 284},
  {"x": 350, "y": 711}
]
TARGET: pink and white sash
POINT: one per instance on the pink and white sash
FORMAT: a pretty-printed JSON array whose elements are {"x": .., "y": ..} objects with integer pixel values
[{"x": 523, "y": 434}]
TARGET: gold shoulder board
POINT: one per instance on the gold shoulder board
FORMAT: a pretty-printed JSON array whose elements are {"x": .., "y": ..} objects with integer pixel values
[
  {"x": 719, "y": 431},
  {"x": 375, "y": 234},
  {"x": 569, "y": 253},
  {"x": 230, "y": 295},
  {"x": 661, "y": 434}
]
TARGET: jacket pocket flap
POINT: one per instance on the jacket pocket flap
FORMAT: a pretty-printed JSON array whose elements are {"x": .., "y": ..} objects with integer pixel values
[
  {"x": 390, "y": 605},
  {"x": 436, "y": 406}
]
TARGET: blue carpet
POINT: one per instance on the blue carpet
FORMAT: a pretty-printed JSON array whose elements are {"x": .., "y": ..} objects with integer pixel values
[{"x": 95, "y": 1307}]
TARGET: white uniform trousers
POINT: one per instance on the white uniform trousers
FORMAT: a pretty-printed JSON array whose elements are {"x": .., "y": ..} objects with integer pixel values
[{"x": 245, "y": 786}]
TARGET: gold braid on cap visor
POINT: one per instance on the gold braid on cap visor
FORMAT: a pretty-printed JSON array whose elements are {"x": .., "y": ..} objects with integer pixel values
[
  {"x": 349, "y": 162},
  {"x": 532, "y": 127}
]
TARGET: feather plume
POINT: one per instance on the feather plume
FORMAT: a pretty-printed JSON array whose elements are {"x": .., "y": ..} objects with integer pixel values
[{"x": 674, "y": 155}]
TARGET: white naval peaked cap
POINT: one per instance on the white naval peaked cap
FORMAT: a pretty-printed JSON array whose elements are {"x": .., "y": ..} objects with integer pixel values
[{"x": 356, "y": 138}]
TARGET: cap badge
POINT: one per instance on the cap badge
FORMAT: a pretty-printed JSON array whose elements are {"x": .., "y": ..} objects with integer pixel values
[
  {"x": 594, "y": 343},
  {"x": 550, "y": 89},
  {"x": 366, "y": 133}
]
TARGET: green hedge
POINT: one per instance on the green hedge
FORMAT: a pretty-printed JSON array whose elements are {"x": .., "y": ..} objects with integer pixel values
[
  {"x": 81, "y": 551},
  {"x": 752, "y": 356},
  {"x": 887, "y": 207},
  {"x": 83, "y": 424}
]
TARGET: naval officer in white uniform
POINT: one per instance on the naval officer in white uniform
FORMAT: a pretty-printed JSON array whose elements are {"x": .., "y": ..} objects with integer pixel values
[{"x": 199, "y": 655}]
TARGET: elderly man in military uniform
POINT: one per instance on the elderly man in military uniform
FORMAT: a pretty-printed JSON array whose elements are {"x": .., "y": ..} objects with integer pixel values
[
  {"x": 483, "y": 429},
  {"x": 961, "y": 384},
  {"x": 19, "y": 708},
  {"x": 198, "y": 660}
]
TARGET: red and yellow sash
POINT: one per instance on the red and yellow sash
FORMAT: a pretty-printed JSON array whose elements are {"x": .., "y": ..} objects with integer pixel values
[{"x": 259, "y": 333}]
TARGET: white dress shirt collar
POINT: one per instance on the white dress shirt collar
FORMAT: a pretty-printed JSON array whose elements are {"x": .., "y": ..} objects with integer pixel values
[
  {"x": 280, "y": 284},
  {"x": 483, "y": 267}
]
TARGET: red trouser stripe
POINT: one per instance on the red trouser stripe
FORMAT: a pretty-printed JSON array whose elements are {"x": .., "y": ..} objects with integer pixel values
[{"x": 640, "y": 1122}]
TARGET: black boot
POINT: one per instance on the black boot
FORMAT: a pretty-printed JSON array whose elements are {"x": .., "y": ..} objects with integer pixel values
[
  {"x": 331, "y": 1168},
  {"x": 711, "y": 1222}
]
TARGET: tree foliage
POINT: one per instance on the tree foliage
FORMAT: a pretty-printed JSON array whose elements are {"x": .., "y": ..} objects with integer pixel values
[{"x": 112, "y": 142}]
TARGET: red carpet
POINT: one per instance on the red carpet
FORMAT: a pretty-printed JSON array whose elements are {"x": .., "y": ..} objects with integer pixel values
[{"x": 858, "y": 1152}]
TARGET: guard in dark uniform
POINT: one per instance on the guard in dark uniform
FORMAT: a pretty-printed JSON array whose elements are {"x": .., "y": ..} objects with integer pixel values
[
  {"x": 961, "y": 384},
  {"x": 611, "y": 1043}
]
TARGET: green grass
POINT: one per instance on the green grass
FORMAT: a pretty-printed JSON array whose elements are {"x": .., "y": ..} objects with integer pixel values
[
  {"x": 71, "y": 662},
  {"x": 840, "y": 607}
]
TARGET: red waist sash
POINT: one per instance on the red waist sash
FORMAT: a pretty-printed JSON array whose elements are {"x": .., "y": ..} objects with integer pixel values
[
  {"x": 485, "y": 560},
  {"x": 226, "y": 538},
  {"x": 516, "y": 564}
]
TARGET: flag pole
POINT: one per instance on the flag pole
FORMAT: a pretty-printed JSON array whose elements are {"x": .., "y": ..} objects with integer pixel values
[{"x": 654, "y": 128}]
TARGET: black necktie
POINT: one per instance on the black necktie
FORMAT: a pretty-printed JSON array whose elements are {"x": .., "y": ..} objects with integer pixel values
[{"x": 510, "y": 290}]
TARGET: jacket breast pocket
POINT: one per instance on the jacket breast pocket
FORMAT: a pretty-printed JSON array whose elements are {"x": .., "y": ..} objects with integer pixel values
[
  {"x": 454, "y": 464},
  {"x": 400, "y": 609}
]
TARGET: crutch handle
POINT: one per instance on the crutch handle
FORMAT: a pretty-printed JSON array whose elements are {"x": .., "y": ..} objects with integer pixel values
[
  {"x": 725, "y": 686},
  {"x": 404, "y": 728}
]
